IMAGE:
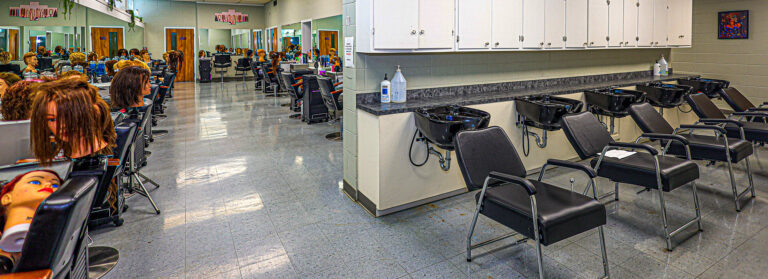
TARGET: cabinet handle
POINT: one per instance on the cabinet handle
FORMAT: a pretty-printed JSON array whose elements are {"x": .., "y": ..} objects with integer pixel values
[
  {"x": 542, "y": 43},
  {"x": 487, "y": 44},
  {"x": 626, "y": 43},
  {"x": 421, "y": 32},
  {"x": 565, "y": 38},
  {"x": 607, "y": 38},
  {"x": 591, "y": 43},
  {"x": 413, "y": 32},
  {"x": 497, "y": 44},
  {"x": 585, "y": 43}
]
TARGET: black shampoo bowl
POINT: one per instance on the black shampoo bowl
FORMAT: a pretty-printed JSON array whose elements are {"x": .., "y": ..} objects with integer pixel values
[
  {"x": 664, "y": 95},
  {"x": 439, "y": 125},
  {"x": 612, "y": 102},
  {"x": 710, "y": 87},
  {"x": 545, "y": 112}
]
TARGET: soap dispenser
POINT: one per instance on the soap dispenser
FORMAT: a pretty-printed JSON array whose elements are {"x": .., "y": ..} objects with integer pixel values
[{"x": 399, "y": 87}]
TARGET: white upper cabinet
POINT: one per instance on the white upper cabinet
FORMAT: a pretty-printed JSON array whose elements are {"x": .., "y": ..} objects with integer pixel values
[
  {"x": 474, "y": 24},
  {"x": 598, "y": 23},
  {"x": 645, "y": 23},
  {"x": 436, "y": 20},
  {"x": 576, "y": 24},
  {"x": 680, "y": 22},
  {"x": 630, "y": 23},
  {"x": 507, "y": 26},
  {"x": 554, "y": 26},
  {"x": 615, "y": 23},
  {"x": 533, "y": 23},
  {"x": 660, "y": 16},
  {"x": 395, "y": 23}
]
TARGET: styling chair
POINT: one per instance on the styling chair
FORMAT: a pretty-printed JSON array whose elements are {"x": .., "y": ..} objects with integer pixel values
[
  {"x": 102, "y": 212},
  {"x": 137, "y": 156},
  {"x": 648, "y": 169},
  {"x": 56, "y": 244},
  {"x": 258, "y": 75},
  {"x": 45, "y": 64},
  {"x": 313, "y": 109},
  {"x": 331, "y": 100},
  {"x": 158, "y": 107},
  {"x": 750, "y": 123},
  {"x": 532, "y": 208},
  {"x": 204, "y": 67},
  {"x": 717, "y": 148},
  {"x": 11, "y": 68},
  {"x": 294, "y": 91},
  {"x": 221, "y": 62},
  {"x": 739, "y": 103},
  {"x": 243, "y": 67}
]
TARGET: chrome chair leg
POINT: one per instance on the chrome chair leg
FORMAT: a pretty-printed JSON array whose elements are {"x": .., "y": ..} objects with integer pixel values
[
  {"x": 733, "y": 185},
  {"x": 667, "y": 237},
  {"x": 749, "y": 176},
  {"x": 606, "y": 271},
  {"x": 616, "y": 192},
  {"x": 696, "y": 204},
  {"x": 537, "y": 237}
]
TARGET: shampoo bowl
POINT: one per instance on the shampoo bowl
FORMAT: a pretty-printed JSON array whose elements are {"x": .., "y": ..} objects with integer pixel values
[
  {"x": 710, "y": 87},
  {"x": 440, "y": 124},
  {"x": 545, "y": 112},
  {"x": 612, "y": 102},
  {"x": 665, "y": 95}
]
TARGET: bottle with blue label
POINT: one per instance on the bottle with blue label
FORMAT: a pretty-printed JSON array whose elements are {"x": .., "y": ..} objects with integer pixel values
[{"x": 385, "y": 90}]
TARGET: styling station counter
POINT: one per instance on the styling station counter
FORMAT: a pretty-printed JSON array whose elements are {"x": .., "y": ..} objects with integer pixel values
[{"x": 389, "y": 182}]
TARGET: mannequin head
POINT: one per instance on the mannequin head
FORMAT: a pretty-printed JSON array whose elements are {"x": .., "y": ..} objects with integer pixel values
[
  {"x": 20, "y": 199},
  {"x": 77, "y": 58},
  {"x": 17, "y": 102},
  {"x": 93, "y": 57},
  {"x": 72, "y": 74},
  {"x": 70, "y": 113},
  {"x": 129, "y": 87},
  {"x": 110, "y": 66},
  {"x": 145, "y": 55},
  {"x": 5, "y": 57},
  {"x": 262, "y": 55},
  {"x": 122, "y": 52},
  {"x": 332, "y": 52},
  {"x": 30, "y": 58},
  {"x": 6, "y": 81}
]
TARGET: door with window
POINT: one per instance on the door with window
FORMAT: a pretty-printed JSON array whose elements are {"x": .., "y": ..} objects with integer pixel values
[
  {"x": 328, "y": 39},
  {"x": 106, "y": 40},
  {"x": 183, "y": 40}
]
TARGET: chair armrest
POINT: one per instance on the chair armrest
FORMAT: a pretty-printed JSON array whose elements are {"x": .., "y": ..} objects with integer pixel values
[
  {"x": 656, "y": 136},
  {"x": 760, "y": 109},
  {"x": 643, "y": 146},
  {"x": 338, "y": 83},
  {"x": 163, "y": 87},
  {"x": 750, "y": 113},
  {"x": 337, "y": 91},
  {"x": 37, "y": 274},
  {"x": 522, "y": 182},
  {"x": 297, "y": 84},
  {"x": 721, "y": 121},
  {"x": 704, "y": 127},
  {"x": 571, "y": 165}
]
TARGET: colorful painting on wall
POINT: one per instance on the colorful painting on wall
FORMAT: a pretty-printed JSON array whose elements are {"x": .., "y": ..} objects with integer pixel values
[
  {"x": 733, "y": 25},
  {"x": 231, "y": 17},
  {"x": 33, "y": 11}
]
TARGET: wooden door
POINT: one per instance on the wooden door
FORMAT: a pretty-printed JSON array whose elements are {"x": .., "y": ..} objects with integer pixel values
[
  {"x": 328, "y": 40},
  {"x": 13, "y": 43},
  {"x": 32, "y": 44},
  {"x": 182, "y": 40},
  {"x": 106, "y": 41}
]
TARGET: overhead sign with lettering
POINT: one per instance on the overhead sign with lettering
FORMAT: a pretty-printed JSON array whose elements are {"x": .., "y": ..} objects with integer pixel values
[
  {"x": 33, "y": 11},
  {"x": 232, "y": 17}
]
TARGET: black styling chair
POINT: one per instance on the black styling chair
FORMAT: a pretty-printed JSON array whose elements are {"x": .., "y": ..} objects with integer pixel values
[
  {"x": 534, "y": 209},
  {"x": 740, "y": 103},
  {"x": 243, "y": 67},
  {"x": 158, "y": 107},
  {"x": 136, "y": 156},
  {"x": 102, "y": 212},
  {"x": 221, "y": 62},
  {"x": 750, "y": 123},
  {"x": 11, "y": 68},
  {"x": 294, "y": 91},
  {"x": 58, "y": 235},
  {"x": 648, "y": 169},
  {"x": 331, "y": 100},
  {"x": 711, "y": 148},
  {"x": 204, "y": 68},
  {"x": 257, "y": 73},
  {"x": 313, "y": 108}
]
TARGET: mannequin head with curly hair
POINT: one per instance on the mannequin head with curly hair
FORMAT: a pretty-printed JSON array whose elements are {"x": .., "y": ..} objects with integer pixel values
[{"x": 17, "y": 101}]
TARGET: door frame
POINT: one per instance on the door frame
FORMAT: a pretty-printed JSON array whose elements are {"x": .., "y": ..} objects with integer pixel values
[
  {"x": 253, "y": 39},
  {"x": 90, "y": 33},
  {"x": 306, "y": 48},
  {"x": 338, "y": 34},
  {"x": 195, "y": 45},
  {"x": 18, "y": 40},
  {"x": 275, "y": 30}
]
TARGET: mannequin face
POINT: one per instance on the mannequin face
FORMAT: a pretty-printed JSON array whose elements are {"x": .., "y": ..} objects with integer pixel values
[
  {"x": 31, "y": 190},
  {"x": 145, "y": 56},
  {"x": 147, "y": 89},
  {"x": 32, "y": 61},
  {"x": 51, "y": 121}
]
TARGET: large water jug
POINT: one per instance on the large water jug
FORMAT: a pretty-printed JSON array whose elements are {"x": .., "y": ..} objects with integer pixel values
[{"x": 399, "y": 87}]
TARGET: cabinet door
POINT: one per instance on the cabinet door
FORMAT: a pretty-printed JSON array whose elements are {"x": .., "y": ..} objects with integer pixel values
[
  {"x": 630, "y": 23},
  {"x": 533, "y": 23},
  {"x": 576, "y": 23},
  {"x": 598, "y": 23},
  {"x": 660, "y": 22},
  {"x": 615, "y": 23},
  {"x": 474, "y": 24},
  {"x": 507, "y": 27},
  {"x": 679, "y": 22},
  {"x": 645, "y": 23},
  {"x": 395, "y": 23},
  {"x": 436, "y": 24},
  {"x": 554, "y": 26}
]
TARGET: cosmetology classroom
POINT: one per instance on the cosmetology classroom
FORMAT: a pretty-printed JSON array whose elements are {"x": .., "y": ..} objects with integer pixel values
[{"x": 395, "y": 139}]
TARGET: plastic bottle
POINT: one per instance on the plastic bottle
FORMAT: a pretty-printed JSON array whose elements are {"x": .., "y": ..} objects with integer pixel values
[
  {"x": 399, "y": 87},
  {"x": 656, "y": 69},
  {"x": 664, "y": 66},
  {"x": 385, "y": 90}
]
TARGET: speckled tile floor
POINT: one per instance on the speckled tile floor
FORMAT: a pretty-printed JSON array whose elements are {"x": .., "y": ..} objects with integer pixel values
[{"x": 248, "y": 192}]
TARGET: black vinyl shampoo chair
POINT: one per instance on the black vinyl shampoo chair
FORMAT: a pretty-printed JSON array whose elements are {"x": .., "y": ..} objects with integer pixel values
[
  {"x": 711, "y": 148},
  {"x": 534, "y": 209},
  {"x": 740, "y": 103},
  {"x": 648, "y": 169},
  {"x": 751, "y": 124}
]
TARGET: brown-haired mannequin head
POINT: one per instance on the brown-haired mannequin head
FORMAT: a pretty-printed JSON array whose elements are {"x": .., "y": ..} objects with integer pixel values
[
  {"x": 122, "y": 52},
  {"x": 70, "y": 113},
  {"x": 77, "y": 57},
  {"x": 145, "y": 55},
  {"x": 93, "y": 57},
  {"x": 30, "y": 58},
  {"x": 5, "y": 57},
  {"x": 110, "y": 66},
  {"x": 17, "y": 101},
  {"x": 129, "y": 87},
  {"x": 7, "y": 80},
  {"x": 72, "y": 74},
  {"x": 41, "y": 51}
]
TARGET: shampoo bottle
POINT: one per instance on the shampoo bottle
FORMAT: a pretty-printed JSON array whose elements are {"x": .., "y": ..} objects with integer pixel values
[
  {"x": 656, "y": 69},
  {"x": 385, "y": 86},
  {"x": 399, "y": 87}
]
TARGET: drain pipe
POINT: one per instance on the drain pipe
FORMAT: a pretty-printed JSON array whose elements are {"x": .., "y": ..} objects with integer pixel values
[
  {"x": 445, "y": 162},
  {"x": 612, "y": 124},
  {"x": 540, "y": 142}
]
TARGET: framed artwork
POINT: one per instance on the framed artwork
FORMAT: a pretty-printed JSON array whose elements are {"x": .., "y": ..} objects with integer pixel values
[{"x": 733, "y": 25}]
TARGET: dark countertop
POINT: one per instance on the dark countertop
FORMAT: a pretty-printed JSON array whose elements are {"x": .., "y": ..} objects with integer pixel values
[{"x": 377, "y": 108}]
